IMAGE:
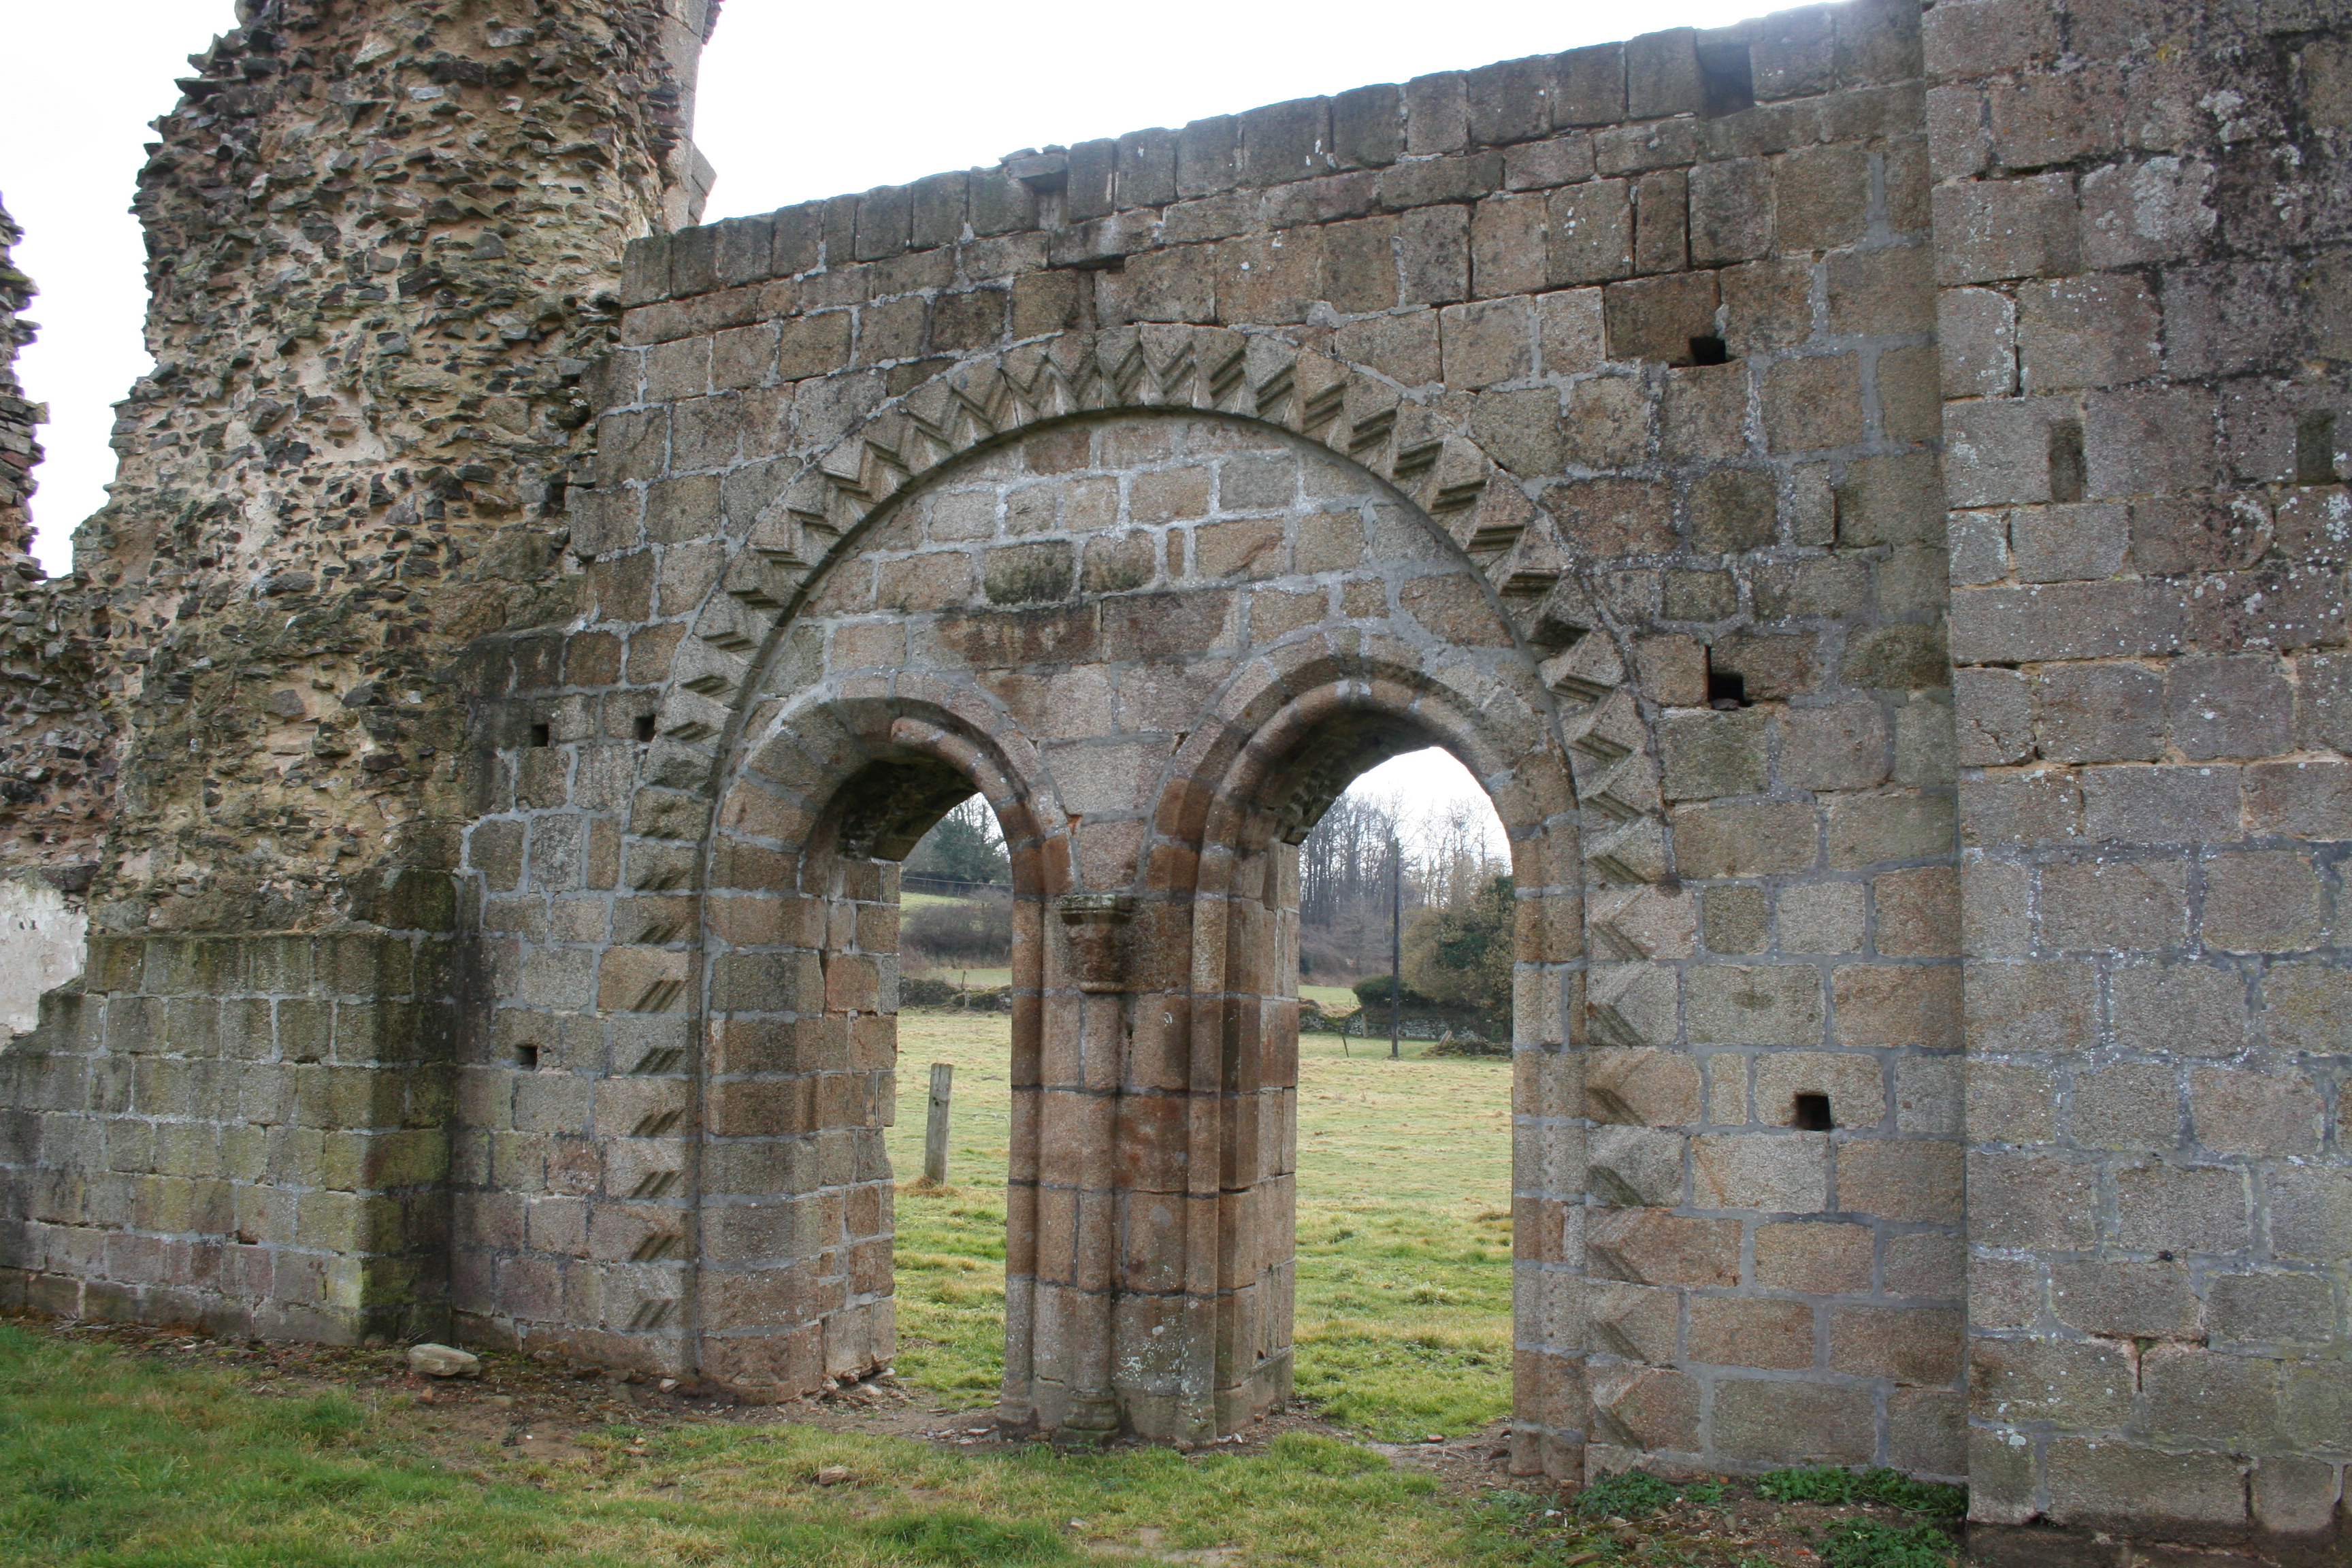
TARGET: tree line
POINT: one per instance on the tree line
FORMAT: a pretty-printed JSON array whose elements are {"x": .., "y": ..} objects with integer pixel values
[{"x": 1455, "y": 897}]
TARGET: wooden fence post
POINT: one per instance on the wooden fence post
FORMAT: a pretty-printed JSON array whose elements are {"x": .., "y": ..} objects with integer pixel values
[{"x": 935, "y": 1133}]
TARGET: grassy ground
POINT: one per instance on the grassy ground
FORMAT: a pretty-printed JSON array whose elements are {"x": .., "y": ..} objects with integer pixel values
[
  {"x": 976, "y": 979},
  {"x": 1404, "y": 1261},
  {"x": 129, "y": 1448},
  {"x": 112, "y": 1461}
]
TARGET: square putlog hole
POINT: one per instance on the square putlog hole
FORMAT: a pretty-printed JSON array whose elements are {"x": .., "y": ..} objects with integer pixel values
[
  {"x": 1812, "y": 1114},
  {"x": 1661, "y": 317},
  {"x": 1726, "y": 78}
]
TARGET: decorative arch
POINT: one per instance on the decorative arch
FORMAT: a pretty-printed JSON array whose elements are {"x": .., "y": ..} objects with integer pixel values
[
  {"x": 1121, "y": 1290},
  {"x": 1253, "y": 791},
  {"x": 792, "y": 1190},
  {"x": 1359, "y": 418}
]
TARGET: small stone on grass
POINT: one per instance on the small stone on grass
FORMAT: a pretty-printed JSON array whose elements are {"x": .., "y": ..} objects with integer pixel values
[{"x": 443, "y": 1361}]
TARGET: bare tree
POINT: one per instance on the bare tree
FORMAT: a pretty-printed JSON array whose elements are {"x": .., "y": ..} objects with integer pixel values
[
  {"x": 1454, "y": 845},
  {"x": 1449, "y": 851},
  {"x": 1346, "y": 856}
]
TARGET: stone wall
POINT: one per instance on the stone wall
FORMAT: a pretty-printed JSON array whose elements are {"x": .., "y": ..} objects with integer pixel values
[
  {"x": 1646, "y": 333},
  {"x": 382, "y": 242},
  {"x": 2141, "y": 219},
  {"x": 248, "y": 1133},
  {"x": 1621, "y": 420}
]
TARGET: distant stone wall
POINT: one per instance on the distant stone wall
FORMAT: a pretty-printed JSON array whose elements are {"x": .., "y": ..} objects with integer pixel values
[{"x": 56, "y": 736}]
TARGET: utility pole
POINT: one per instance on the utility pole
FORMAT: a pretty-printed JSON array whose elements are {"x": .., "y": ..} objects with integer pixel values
[{"x": 1396, "y": 947}]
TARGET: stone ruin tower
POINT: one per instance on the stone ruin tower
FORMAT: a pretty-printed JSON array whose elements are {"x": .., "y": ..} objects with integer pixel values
[{"x": 1863, "y": 489}]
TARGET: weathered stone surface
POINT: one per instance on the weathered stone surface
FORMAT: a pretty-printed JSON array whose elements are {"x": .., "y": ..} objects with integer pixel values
[
  {"x": 430, "y": 1360},
  {"x": 1152, "y": 487}
]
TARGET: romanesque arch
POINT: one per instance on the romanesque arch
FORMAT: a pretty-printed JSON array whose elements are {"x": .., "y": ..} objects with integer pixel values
[{"x": 1160, "y": 639}]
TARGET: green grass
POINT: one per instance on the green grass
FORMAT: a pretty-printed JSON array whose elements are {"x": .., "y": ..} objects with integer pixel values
[
  {"x": 112, "y": 1460},
  {"x": 1636, "y": 1494},
  {"x": 1403, "y": 1324},
  {"x": 1333, "y": 998},
  {"x": 1828, "y": 1484},
  {"x": 1868, "y": 1543},
  {"x": 108, "y": 1460},
  {"x": 976, "y": 979}
]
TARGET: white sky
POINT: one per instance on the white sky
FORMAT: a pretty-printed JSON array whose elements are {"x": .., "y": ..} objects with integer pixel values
[
  {"x": 1428, "y": 784},
  {"x": 798, "y": 102}
]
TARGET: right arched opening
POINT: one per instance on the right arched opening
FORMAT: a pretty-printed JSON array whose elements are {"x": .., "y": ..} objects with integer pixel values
[
  {"x": 1401, "y": 1315},
  {"x": 1376, "y": 1194}
]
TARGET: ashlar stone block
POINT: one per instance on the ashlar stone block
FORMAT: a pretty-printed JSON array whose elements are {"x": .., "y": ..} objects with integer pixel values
[{"x": 1770, "y": 1173}]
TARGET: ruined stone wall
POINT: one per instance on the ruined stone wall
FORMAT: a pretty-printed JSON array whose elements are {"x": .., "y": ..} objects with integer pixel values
[
  {"x": 2142, "y": 213},
  {"x": 56, "y": 762},
  {"x": 382, "y": 240},
  {"x": 1622, "y": 419}
]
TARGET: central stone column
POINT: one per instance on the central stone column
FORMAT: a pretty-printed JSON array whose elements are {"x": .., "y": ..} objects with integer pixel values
[{"x": 1062, "y": 1264}]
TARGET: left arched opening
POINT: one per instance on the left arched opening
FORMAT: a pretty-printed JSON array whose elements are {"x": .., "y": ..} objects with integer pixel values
[{"x": 816, "y": 1103}]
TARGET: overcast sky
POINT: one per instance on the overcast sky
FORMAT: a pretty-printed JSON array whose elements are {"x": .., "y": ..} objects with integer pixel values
[{"x": 798, "y": 102}]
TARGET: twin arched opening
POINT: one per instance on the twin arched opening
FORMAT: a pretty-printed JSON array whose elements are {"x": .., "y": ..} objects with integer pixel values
[{"x": 1159, "y": 649}]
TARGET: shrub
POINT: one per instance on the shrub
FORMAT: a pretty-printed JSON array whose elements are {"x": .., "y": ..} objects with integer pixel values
[
  {"x": 1461, "y": 957},
  {"x": 975, "y": 933},
  {"x": 927, "y": 991},
  {"x": 1374, "y": 992}
]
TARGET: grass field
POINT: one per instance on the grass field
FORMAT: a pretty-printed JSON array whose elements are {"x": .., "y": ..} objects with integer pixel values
[
  {"x": 109, "y": 1460},
  {"x": 1404, "y": 1260},
  {"x": 1334, "y": 998},
  {"x": 975, "y": 979},
  {"x": 302, "y": 1458}
]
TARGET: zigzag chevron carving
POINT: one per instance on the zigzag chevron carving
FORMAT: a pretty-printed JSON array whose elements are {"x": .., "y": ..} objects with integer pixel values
[{"x": 1206, "y": 368}]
